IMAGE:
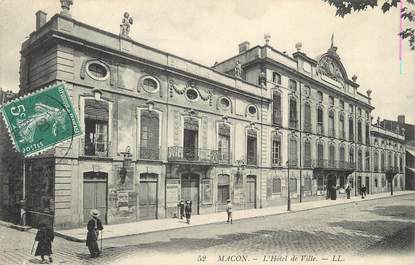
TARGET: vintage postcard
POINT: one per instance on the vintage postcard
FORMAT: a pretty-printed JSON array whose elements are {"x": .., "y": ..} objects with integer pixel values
[{"x": 207, "y": 132}]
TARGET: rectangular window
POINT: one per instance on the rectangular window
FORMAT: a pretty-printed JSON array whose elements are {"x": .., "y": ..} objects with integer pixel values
[
  {"x": 293, "y": 113},
  {"x": 276, "y": 185},
  {"x": 307, "y": 154},
  {"x": 320, "y": 96},
  {"x": 307, "y": 184},
  {"x": 293, "y": 185},
  {"x": 276, "y": 78},
  {"x": 251, "y": 150},
  {"x": 293, "y": 85},
  {"x": 351, "y": 130},
  {"x": 276, "y": 149},
  {"x": 341, "y": 127},
  {"x": 293, "y": 153},
  {"x": 341, "y": 104},
  {"x": 276, "y": 108},
  {"x": 331, "y": 100},
  {"x": 320, "y": 128},
  {"x": 351, "y": 108}
]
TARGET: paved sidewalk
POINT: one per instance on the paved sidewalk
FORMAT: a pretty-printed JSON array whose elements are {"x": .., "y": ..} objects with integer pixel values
[{"x": 120, "y": 230}]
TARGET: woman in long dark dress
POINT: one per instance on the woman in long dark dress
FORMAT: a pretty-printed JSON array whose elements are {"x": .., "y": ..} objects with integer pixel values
[
  {"x": 45, "y": 237},
  {"x": 93, "y": 226},
  {"x": 188, "y": 211}
]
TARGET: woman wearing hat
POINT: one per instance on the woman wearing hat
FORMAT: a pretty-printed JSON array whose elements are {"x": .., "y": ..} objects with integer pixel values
[
  {"x": 45, "y": 237},
  {"x": 94, "y": 225}
]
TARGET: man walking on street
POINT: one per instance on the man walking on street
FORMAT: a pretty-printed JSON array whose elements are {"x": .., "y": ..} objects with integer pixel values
[
  {"x": 188, "y": 211},
  {"x": 363, "y": 191},
  {"x": 229, "y": 210}
]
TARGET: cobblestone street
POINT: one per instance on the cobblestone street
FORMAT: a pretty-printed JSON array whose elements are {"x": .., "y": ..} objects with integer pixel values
[{"x": 364, "y": 229}]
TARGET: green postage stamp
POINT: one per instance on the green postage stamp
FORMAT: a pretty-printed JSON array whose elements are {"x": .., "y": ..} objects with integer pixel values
[{"x": 41, "y": 120}]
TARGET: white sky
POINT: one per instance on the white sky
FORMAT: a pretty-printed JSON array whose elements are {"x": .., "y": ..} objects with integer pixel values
[{"x": 208, "y": 31}]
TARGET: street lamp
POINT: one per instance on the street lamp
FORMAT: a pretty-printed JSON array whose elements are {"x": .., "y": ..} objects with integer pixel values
[
  {"x": 288, "y": 187},
  {"x": 240, "y": 165}
]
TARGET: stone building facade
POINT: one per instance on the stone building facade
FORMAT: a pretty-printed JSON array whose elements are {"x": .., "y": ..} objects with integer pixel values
[{"x": 159, "y": 128}]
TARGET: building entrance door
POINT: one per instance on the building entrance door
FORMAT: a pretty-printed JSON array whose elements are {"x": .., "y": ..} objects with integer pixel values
[
  {"x": 95, "y": 194},
  {"x": 359, "y": 184},
  {"x": 147, "y": 196},
  {"x": 190, "y": 190},
  {"x": 367, "y": 185},
  {"x": 250, "y": 192}
]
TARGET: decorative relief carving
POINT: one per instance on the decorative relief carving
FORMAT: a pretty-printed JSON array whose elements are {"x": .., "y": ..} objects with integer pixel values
[
  {"x": 204, "y": 95},
  {"x": 332, "y": 68}
]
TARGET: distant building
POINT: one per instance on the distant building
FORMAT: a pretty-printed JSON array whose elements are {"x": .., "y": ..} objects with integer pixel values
[
  {"x": 159, "y": 128},
  {"x": 409, "y": 129}
]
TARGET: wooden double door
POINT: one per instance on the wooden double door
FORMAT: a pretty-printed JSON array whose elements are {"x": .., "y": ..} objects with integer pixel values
[
  {"x": 147, "y": 196},
  {"x": 190, "y": 190},
  {"x": 95, "y": 194},
  {"x": 250, "y": 192}
]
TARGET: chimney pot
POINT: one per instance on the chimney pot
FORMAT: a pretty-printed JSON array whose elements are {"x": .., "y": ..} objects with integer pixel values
[
  {"x": 40, "y": 19},
  {"x": 244, "y": 46},
  {"x": 401, "y": 119}
]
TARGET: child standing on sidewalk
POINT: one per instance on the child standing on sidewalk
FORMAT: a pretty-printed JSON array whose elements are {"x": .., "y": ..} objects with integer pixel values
[
  {"x": 229, "y": 210},
  {"x": 45, "y": 237}
]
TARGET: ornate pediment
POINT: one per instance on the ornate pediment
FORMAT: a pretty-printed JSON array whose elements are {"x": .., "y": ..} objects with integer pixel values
[{"x": 329, "y": 66}]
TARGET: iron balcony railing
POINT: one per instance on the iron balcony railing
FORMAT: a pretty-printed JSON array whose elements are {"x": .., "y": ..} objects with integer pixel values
[
  {"x": 150, "y": 153},
  {"x": 186, "y": 154},
  {"x": 333, "y": 164},
  {"x": 224, "y": 158},
  {"x": 96, "y": 149}
]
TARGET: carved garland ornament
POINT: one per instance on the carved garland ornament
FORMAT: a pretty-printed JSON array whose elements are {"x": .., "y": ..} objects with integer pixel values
[{"x": 205, "y": 96}]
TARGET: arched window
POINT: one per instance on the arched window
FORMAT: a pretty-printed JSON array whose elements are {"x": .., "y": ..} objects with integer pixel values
[
  {"x": 224, "y": 143},
  {"x": 395, "y": 160},
  {"x": 307, "y": 117},
  {"x": 331, "y": 124},
  {"x": 307, "y": 154},
  {"x": 293, "y": 113},
  {"x": 367, "y": 134},
  {"x": 320, "y": 128},
  {"x": 382, "y": 161},
  {"x": 359, "y": 132},
  {"x": 276, "y": 107},
  {"x": 389, "y": 162},
  {"x": 367, "y": 160}
]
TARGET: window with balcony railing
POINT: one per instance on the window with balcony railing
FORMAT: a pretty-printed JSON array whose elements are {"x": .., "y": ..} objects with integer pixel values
[
  {"x": 332, "y": 156},
  {"x": 320, "y": 154},
  {"x": 341, "y": 157},
  {"x": 224, "y": 144}
]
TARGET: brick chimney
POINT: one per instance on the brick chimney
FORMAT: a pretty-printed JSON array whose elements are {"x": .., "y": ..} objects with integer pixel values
[
  {"x": 401, "y": 119},
  {"x": 40, "y": 19},
  {"x": 244, "y": 46}
]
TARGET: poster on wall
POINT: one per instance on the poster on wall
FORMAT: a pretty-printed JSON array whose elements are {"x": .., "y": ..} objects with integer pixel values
[
  {"x": 172, "y": 195},
  {"x": 207, "y": 191}
]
